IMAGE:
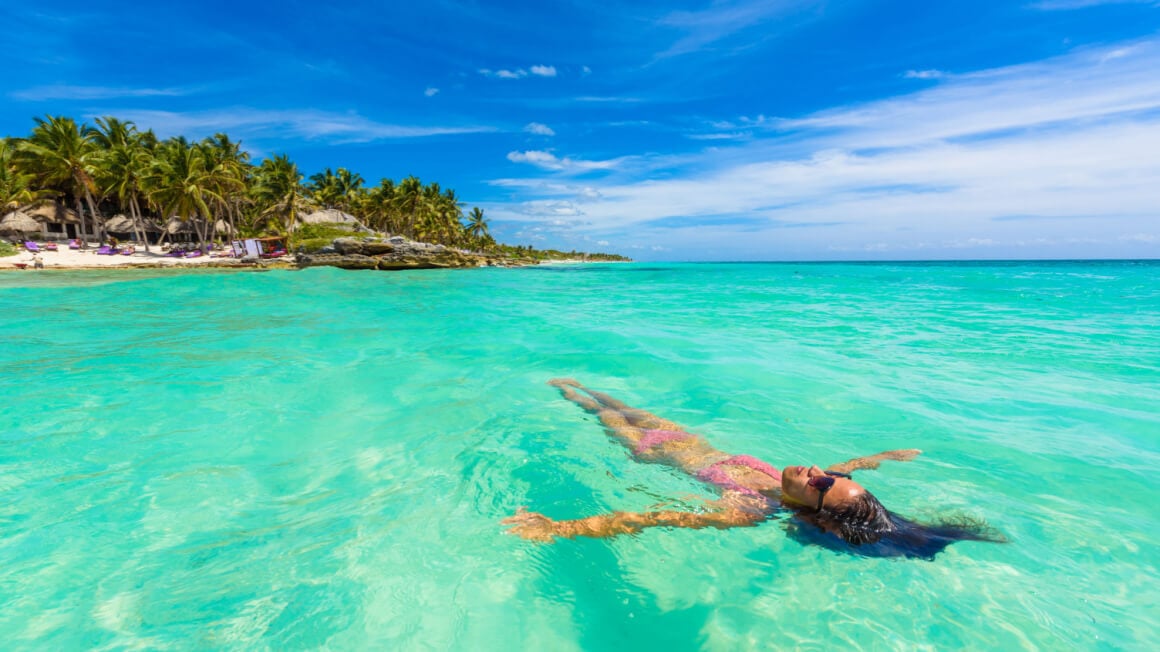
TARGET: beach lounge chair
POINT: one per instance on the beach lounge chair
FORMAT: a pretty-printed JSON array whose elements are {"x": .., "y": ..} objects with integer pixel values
[
  {"x": 74, "y": 244},
  {"x": 32, "y": 246},
  {"x": 50, "y": 246},
  {"x": 196, "y": 253},
  {"x": 106, "y": 250},
  {"x": 128, "y": 251}
]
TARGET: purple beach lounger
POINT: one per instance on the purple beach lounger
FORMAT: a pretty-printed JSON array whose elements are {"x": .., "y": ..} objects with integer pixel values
[
  {"x": 32, "y": 246},
  {"x": 105, "y": 250}
]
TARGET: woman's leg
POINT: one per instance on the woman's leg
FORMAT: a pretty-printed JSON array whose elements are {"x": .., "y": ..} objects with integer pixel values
[
  {"x": 612, "y": 419},
  {"x": 649, "y": 437},
  {"x": 634, "y": 417}
]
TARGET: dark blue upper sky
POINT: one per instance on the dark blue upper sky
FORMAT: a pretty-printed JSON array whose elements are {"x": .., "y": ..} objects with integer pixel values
[{"x": 678, "y": 130}]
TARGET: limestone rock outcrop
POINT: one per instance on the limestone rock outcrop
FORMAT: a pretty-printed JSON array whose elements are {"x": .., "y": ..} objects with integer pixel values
[{"x": 395, "y": 253}]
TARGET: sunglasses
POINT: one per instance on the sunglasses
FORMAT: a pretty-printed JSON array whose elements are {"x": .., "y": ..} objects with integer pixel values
[{"x": 824, "y": 483}]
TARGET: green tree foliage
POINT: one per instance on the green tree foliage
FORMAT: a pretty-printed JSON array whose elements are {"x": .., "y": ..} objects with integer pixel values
[{"x": 212, "y": 188}]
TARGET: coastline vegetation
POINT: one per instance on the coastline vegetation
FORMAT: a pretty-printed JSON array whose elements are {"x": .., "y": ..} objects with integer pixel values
[{"x": 212, "y": 189}]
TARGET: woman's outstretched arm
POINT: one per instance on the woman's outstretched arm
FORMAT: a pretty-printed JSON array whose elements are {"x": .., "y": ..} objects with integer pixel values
[
  {"x": 537, "y": 527},
  {"x": 872, "y": 461}
]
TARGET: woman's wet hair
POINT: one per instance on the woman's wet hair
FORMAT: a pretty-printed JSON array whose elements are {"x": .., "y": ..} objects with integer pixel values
[{"x": 869, "y": 528}]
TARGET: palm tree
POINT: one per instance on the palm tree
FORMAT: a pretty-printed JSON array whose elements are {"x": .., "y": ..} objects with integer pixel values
[
  {"x": 349, "y": 186},
  {"x": 323, "y": 188},
  {"x": 409, "y": 202},
  {"x": 124, "y": 162},
  {"x": 279, "y": 191},
  {"x": 381, "y": 207},
  {"x": 476, "y": 226},
  {"x": 15, "y": 185},
  {"x": 339, "y": 190},
  {"x": 232, "y": 167},
  {"x": 62, "y": 157},
  {"x": 182, "y": 185}
]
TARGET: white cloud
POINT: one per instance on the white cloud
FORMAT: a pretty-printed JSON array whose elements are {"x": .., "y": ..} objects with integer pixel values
[
  {"x": 924, "y": 74},
  {"x": 304, "y": 123},
  {"x": 718, "y": 21},
  {"x": 549, "y": 161},
  {"x": 431, "y": 91},
  {"x": 548, "y": 208},
  {"x": 539, "y": 129},
  {"x": 987, "y": 160},
  {"x": 518, "y": 73},
  {"x": 1052, "y": 5},
  {"x": 585, "y": 70},
  {"x": 65, "y": 92},
  {"x": 608, "y": 99},
  {"x": 544, "y": 71},
  {"x": 735, "y": 135}
]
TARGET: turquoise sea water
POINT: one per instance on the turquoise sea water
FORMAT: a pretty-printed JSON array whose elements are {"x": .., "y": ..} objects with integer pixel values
[{"x": 320, "y": 459}]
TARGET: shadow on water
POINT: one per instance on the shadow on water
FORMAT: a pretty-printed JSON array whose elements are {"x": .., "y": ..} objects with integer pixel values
[{"x": 608, "y": 610}]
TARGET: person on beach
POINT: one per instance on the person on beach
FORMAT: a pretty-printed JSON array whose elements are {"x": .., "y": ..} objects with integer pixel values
[
  {"x": 37, "y": 261},
  {"x": 835, "y": 510}
]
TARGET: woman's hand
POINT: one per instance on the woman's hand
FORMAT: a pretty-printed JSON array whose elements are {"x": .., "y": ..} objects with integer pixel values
[
  {"x": 563, "y": 382},
  {"x": 873, "y": 461},
  {"x": 531, "y": 526},
  {"x": 903, "y": 455}
]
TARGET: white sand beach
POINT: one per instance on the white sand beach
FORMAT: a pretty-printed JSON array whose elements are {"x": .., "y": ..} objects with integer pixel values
[{"x": 65, "y": 258}]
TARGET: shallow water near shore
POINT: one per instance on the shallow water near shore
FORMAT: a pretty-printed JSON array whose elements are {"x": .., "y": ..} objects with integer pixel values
[{"x": 320, "y": 459}]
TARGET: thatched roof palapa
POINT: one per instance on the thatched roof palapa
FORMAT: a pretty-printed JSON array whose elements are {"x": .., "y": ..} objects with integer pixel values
[
  {"x": 124, "y": 224},
  {"x": 176, "y": 225},
  {"x": 19, "y": 222},
  {"x": 333, "y": 216},
  {"x": 54, "y": 213}
]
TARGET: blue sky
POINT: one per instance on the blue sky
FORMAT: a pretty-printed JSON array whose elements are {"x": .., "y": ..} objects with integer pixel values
[{"x": 727, "y": 130}]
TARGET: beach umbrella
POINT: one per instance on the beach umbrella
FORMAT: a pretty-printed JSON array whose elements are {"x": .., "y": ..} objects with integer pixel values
[{"x": 19, "y": 222}]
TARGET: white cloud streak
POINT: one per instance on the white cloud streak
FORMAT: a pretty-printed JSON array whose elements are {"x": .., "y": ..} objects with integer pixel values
[
  {"x": 519, "y": 73},
  {"x": 65, "y": 92},
  {"x": 539, "y": 129},
  {"x": 923, "y": 74},
  {"x": 549, "y": 161},
  {"x": 720, "y": 20},
  {"x": 1069, "y": 146},
  {"x": 305, "y": 123},
  {"x": 1056, "y": 5},
  {"x": 431, "y": 91}
]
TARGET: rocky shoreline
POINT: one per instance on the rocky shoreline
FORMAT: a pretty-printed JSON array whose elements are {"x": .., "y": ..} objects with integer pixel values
[{"x": 398, "y": 253}]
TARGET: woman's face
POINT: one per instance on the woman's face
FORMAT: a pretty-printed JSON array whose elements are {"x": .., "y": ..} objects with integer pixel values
[{"x": 795, "y": 487}]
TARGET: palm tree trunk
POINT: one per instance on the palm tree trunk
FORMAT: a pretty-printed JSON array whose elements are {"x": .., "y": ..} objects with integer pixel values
[
  {"x": 200, "y": 228},
  {"x": 98, "y": 225},
  {"x": 81, "y": 226},
  {"x": 139, "y": 221},
  {"x": 233, "y": 229}
]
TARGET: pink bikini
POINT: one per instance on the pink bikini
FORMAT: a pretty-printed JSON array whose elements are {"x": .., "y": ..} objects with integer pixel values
[{"x": 715, "y": 473}]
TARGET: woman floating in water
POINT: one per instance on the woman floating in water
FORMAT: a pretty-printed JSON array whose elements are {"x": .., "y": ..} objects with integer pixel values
[{"x": 839, "y": 509}]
